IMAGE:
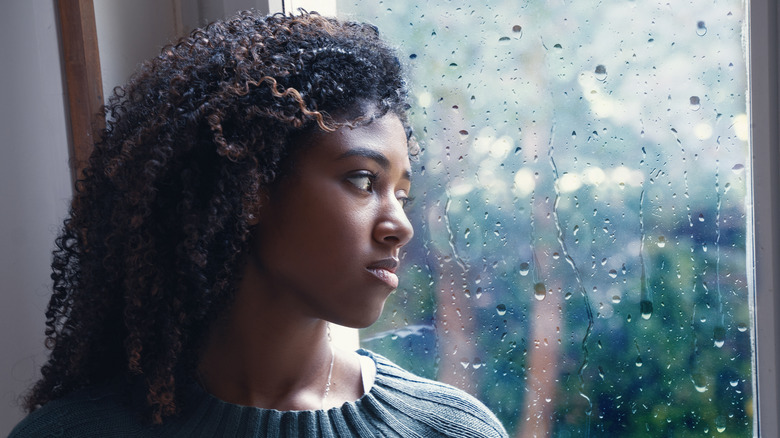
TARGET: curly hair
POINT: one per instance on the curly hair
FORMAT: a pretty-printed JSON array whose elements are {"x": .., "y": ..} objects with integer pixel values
[{"x": 159, "y": 223}]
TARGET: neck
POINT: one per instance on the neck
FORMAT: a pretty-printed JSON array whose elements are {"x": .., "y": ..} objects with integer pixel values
[{"x": 262, "y": 353}]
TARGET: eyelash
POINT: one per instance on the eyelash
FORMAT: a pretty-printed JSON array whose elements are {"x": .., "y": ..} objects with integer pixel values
[{"x": 370, "y": 178}]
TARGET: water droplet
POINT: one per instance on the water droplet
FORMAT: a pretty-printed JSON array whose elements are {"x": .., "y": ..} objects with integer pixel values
[
  {"x": 466, "y": 233},
  {"x": 464, "y": 363},
  {"x": 704, "y": 246},
  {"x": 646, "y": 309},
  {"x": 556, "y": 256},
  {"x": 575, "y": 230},
  {"x": 695, "y": 103},
  {"x": 603, "y": 261},
  {"x": 503, "y": 40},
  {"x": 628, "y": 318},
  {"x": 601, "y": 373},
  {"x": 701, "y": 217},
  {"x": 701, "y": 28},
  {"x": 413, "y": 56},
  {"x": 734, "y": 383},
  {"x": 501, "y": 309},
  {"x": 742, "y": 327},
  {"x": 699, "y": 382},
  {"x": 540, "y": 292},
  {"x": 518, "y": 30},
  {"x": 453, "y": 65},
  {"x": 720, "y": 424},
  {"x": 623, "y": 269},
  {"x": 738, "y": 168},
  {"x": 719, "y": 336},
  {"x": 639, "y": 361},
  {"x": 616, "y": 299},
  {"x": 463, "y": 133},
  {"x": 661, "y": 241},
  {"x": 612, "y": 273},
  {"x": 524, "y": 268},
  {"x": 573, "y": 135},
  {"x": 601, "y": 72}
]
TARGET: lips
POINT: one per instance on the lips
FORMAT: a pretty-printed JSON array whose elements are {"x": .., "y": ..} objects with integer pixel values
[{"x": 384, "y": 270}]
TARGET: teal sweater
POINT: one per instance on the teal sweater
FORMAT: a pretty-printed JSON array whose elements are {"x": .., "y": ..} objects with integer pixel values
[{"x": 399, "y": 404}]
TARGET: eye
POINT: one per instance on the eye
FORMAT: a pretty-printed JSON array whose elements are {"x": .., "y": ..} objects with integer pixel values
[
  {"x": 405, "y": 200},
  {"x": 363, "y": 180}
]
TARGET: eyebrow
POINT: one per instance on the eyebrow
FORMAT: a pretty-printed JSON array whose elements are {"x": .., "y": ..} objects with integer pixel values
[{"x": 378, "y": 157}]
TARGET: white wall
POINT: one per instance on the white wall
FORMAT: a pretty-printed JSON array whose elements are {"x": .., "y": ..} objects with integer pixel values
[
  {"x": 130, "y": 32},
  {"x": 34, "y": 189}
]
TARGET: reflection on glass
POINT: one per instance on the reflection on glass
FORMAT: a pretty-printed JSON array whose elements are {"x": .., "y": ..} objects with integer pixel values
[{"x": 579, "y": 262}]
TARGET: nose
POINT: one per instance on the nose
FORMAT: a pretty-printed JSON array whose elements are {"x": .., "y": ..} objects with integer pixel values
[{"x": 393, "y": 227}]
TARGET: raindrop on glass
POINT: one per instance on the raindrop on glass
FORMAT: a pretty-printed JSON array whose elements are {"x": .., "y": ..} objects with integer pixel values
[
  {"x": 701, "y": 28},
  {"x": 524, "y": 268},
  {"x": 719, "y": 336},
  {"x": 616, "y": 299},
  {"x": 466, "y": 233},
  {"x": 503, "y": 40},
  {"x": 638, "y": 361},
  {"x": 646, "y": 309},
  {"x": 738, "y": 168},
  {"x": 501, "y": 309},
  {"x": 699, "y": 382},
  {"x": 556, "y": 256},
  {"x": 463, "y": 133},
  {"x": 661, "y": 241},
  {"x": 518, "y": 30},
  {"x": 720, "y": 424},
  {"x": 601, "y": 72},
  {"x": 695, "y": 103},
  {"x": 742, "y": 327},
  {"x": 540, "y": 292},
  {"x": 612, "y": 273},
  {"x": 701, "y": 217}
]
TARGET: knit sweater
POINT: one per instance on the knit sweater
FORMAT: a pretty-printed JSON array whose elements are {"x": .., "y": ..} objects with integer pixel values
[{"x": 399, "y": 404}]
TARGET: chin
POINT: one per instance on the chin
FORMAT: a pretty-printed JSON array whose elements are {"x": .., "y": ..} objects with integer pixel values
[{"x": 360, "y": 320}]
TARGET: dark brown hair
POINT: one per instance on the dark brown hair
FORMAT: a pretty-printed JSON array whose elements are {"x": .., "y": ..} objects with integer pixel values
[{"x": 158, "y": 226}]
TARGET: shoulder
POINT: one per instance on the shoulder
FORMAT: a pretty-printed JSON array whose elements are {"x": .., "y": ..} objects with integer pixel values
[
  {"x": 443, "y": 409},
  {"x": 90, "y": 412}
]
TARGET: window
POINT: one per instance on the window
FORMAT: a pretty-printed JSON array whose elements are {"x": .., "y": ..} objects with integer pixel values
[{"x": 583, "y": 258}]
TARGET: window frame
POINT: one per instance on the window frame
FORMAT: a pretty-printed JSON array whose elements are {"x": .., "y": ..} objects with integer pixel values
[{"x": 765, "y": 246}]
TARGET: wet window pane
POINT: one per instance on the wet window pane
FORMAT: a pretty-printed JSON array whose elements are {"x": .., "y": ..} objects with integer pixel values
[{"x": 580, "y": 256}]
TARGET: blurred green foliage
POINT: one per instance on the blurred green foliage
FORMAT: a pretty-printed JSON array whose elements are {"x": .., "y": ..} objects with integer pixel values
[{"x": 579, "y": 160}]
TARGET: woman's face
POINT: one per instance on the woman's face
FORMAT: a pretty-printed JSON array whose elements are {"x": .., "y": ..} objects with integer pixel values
[{"x": 328, "y": 239}]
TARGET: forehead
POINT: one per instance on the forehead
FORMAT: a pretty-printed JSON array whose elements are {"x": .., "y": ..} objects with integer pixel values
[{"x": 384, "y": 136}]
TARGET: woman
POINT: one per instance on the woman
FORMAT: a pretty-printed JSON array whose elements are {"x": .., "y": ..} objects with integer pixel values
[{"x": 249, "y": 189}]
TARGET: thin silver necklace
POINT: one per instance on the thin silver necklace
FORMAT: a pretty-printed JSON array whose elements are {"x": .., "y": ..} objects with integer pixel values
[{"x": 330, "y": 370}]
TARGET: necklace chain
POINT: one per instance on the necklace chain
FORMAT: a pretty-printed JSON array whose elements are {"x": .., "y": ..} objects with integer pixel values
[{"x": 330, "y": 370}]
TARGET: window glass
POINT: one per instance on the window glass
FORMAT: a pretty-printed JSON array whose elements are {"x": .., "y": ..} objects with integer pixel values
[{"x": 580, "y": 253}]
